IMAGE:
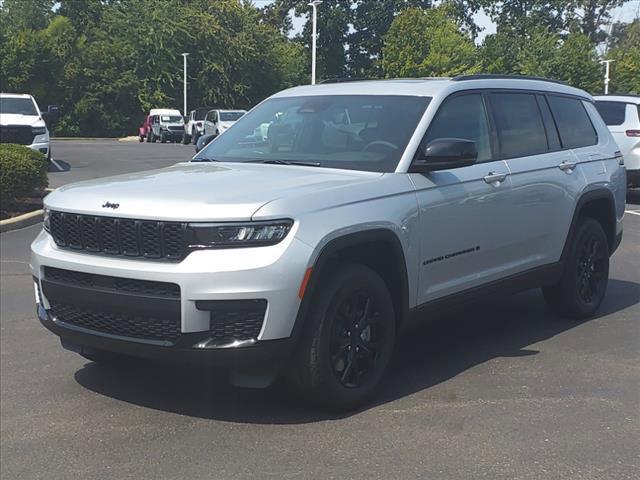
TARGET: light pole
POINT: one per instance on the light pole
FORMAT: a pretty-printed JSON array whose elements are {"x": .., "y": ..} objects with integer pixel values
[
  {"x": 314, "y": 4},
  {"x": 184, "y": 56},
  {"x": 607, "y": 64}
]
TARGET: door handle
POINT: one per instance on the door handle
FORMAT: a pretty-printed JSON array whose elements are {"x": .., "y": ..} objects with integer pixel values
[
  {"x": 493, "y": 177},
  {"x": 567, "y": 166}
]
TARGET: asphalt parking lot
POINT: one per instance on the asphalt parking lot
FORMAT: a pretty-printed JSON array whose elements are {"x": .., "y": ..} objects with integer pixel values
[{"x": 500, "y": 390}]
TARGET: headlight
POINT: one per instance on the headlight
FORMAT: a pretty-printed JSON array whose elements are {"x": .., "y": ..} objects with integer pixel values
[
  {"x": 46, "y": 220},
  {"x": 250, "y": 234},
  {"x": 38, "y": 130}
]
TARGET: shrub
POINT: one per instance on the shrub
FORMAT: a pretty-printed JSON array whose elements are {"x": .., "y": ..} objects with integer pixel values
[{"x": 22, "y": 171}]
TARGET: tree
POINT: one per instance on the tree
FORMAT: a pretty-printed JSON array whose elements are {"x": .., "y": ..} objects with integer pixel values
[
  {"x": 519, "y": 17},
  {"x": 427, "y": 43},
  {"x": 371, "y": 22},
  {"x": 625, "y": 76}
]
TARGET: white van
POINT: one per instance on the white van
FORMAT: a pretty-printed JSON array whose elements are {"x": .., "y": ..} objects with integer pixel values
[{"x": 167, "y": 125}]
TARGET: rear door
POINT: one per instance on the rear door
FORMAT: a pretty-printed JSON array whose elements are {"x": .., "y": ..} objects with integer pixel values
[
  {"x": 465, "y": 213},
  {"x": 545, "y": 178}
]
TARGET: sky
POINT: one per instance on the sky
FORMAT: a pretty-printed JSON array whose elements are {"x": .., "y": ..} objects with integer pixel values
[{"x": 626, "y": 13}]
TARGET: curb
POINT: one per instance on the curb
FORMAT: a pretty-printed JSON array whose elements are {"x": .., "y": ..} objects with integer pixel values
[
  {"x": 21, "y": 221},
  {"x": 83, "y": 139}
]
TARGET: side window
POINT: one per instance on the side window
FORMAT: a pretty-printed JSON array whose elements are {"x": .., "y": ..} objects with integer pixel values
[
  {"x": 519, "y": 124},
  {"x": 573, "y": 122},
  {"x": 549, "y": 124},
  {"x": 462, "y": 116},
  {"x": 613, "y": 113}
]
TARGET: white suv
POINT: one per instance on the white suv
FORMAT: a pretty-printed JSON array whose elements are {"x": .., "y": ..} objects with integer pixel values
[
  {"x": 22, "y": 122},
  {"x": 621, "y": 113},
  {"x": 304, "y": 250}
]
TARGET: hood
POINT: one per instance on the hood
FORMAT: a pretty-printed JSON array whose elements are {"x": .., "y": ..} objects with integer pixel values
[
  {"x": 198, "y": 191},
  {"x": 18, "y": 119}
]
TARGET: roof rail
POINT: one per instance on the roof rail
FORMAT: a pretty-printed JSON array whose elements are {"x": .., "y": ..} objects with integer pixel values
[
  {"x": 492, "y": 76},
  {"x": 343, "y": 80}
]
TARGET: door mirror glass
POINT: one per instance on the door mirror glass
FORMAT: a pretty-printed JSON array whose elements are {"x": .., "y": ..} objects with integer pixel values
[{"x": 444, "y": 154}]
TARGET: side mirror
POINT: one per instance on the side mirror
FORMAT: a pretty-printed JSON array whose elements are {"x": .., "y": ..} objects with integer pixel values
[
  {"x": 203, "y": 141},
  {"x": 52, "y": 114},
  {"x": 445, "y": 153}
]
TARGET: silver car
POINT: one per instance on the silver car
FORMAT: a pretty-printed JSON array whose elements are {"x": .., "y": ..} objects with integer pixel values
[{"x": 328, "y": 219}]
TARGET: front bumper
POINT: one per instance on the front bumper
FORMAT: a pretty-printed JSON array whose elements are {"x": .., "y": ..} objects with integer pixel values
[
  {"x": 271, "y": 273},
  {"x": 252, "y": 366}
]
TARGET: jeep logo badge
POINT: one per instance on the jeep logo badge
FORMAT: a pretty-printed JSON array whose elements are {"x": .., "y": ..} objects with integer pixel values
[{"x": 110, "y": 205}]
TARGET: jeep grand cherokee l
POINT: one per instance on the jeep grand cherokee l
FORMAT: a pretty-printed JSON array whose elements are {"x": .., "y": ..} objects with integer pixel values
[{"x": 303, "y": 251}]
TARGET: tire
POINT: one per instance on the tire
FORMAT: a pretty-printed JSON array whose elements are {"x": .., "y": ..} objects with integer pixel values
[
  {"x": 153, "y": 138},
  {"x": 163, "y": 138},
  {"x": 141, "y": 139},
  {"x": 149, "y": 135},
  {"x": 583, "y": 284},
  {"x": 186, "y": 139},
  {"x": 195, "y": 138},
  {"x": 339, "y": 364}
]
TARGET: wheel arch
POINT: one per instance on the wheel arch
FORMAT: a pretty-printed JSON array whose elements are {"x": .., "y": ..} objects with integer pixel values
[
  {"x": 599, "y": 204},
  {"x": 359, "y": 247}
]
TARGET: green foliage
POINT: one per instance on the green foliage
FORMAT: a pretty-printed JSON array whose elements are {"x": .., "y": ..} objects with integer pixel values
[
  {"x": 626, "y": 55},
  {"x": 22, "y": 171},
  {"x": 427, "y": 43},
  {"x": 107, "y": 63}
]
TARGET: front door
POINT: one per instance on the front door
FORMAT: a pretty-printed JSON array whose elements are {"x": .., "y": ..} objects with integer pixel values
[{"x": 465, "y": 213}]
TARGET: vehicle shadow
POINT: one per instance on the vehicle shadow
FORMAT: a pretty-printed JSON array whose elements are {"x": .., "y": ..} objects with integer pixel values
[
  {"x": 633, "y": 196},
  {"x": 59, "y": 166},
  {"x": 427, "y": 356}
]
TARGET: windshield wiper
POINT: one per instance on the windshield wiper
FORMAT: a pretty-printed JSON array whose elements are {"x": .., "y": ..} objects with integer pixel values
[{"x": 292, "y": 162}]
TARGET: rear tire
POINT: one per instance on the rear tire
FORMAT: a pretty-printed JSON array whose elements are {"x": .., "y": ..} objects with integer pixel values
[
  {"x": 349, "y": 341},
  {"x": 583, "y": 284}
]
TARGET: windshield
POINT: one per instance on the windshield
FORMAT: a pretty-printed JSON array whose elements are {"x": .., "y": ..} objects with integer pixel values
[
  {"x": 170, "y": 119},
  {"x": 20, "y": 106},
  {"x": 230, "y": 116},
  {"x": 358, "y": 132}
]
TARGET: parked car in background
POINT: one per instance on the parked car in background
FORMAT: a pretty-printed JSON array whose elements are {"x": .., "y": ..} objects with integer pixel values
[
  {"x": 194, "y": 125},
  {"x": 218, "y": 121},
  {"x": 144, "y": 129},
  {"x": 22, "y": 122},
  {"x": 621, "y": 113},
  {"x": 166, "y": 125}
]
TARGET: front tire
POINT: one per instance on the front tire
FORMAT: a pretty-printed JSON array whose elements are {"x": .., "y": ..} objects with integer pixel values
[
  {"x": 583, "y": 284},
  {"x": 349, "y": 341},
  {"x": 163, "y": 138}
]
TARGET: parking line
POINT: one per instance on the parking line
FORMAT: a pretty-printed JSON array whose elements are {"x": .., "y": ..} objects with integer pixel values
[
  {"x": 633, "y": 212},
  {"x": 60, "y": 169}
]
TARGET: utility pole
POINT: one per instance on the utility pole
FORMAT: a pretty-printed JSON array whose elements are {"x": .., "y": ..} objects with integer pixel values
[
  {"x": 184, "y": 56},
  {"x": 314, "y": 4},
  {"x": 607, "y": 64}
]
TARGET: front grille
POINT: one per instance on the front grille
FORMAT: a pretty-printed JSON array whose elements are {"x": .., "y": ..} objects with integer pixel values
[
  {"x": 20, "y": 134},
  {"x": 237, "y": 321},
  {"x": 116, "y": 323},
  {"x": 116, "y": 284},
  {"x": 116, "y": 236}
]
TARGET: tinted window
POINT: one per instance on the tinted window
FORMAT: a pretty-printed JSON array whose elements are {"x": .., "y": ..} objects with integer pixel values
[
  {"x": 359, "y": 132},
  {"x": 519, "y": 124},
  {"x": 549, "y": 124},
  {"x": 612, "y": 112},
  {"x": 573, "y": 122},
  {"x": 462, "y": 116}
]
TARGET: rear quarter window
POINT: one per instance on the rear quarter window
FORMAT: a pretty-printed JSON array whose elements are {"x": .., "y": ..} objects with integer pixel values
[
  {"x": 613, "y": 113},
  {"x": 573, "y": 122}
]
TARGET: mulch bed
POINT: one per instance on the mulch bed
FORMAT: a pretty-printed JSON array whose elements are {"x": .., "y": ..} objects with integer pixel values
[{"x": 24, "y": 205}]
